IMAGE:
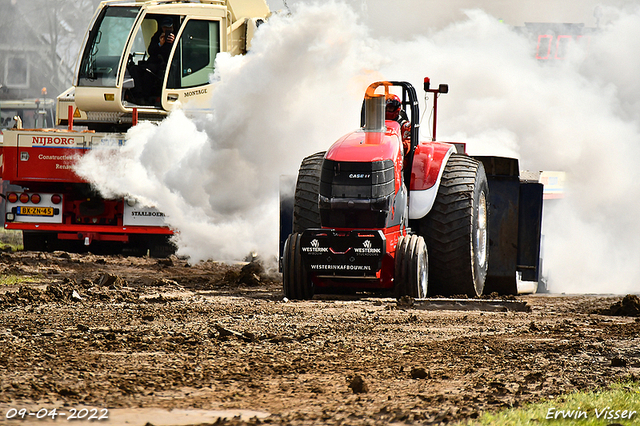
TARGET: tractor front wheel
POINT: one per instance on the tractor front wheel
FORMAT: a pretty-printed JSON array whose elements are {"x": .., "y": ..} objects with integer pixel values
[
  {"x": 411, "y": 267},
  {"x": 296, "y": 282}
]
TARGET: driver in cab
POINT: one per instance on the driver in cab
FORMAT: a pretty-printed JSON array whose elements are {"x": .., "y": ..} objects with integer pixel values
[{"x": 162, "y": 40}]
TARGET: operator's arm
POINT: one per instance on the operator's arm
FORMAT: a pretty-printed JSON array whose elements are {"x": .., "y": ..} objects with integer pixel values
[
  {"x": 154, "y": 45},
  {"x": 405, "y": 131}
]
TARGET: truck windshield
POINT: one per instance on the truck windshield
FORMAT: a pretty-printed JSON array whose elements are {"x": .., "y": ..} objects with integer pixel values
[{"x": 105, "y": 46}]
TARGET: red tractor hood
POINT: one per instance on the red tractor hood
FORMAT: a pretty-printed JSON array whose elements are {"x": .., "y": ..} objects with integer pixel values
[{"x": 361, "y": 146}]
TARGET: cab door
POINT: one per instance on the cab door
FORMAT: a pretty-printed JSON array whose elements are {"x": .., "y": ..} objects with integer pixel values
[
  {"x": 147, "y": 62},
  {"x": 189, "y": 79}
]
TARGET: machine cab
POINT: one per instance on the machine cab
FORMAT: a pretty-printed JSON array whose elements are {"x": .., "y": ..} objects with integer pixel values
[{"x": 123, "y": 67}]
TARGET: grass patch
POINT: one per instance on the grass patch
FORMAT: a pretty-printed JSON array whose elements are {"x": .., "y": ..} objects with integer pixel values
[
  {"x": 16, "y": 280},
  {"x": 602, "y": 407},
  {"x": 10, "y": 240}
]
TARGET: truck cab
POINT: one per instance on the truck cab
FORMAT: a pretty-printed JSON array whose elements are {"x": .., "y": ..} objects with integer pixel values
[{"x": 120, "y": 71}]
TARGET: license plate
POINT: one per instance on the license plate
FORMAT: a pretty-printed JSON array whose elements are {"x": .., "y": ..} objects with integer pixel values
[{"x": 34, "y": 211}]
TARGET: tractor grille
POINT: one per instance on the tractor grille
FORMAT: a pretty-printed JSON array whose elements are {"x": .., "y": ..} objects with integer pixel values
[
  {"x": 355, "y": 194},
  {"x": 341, "y": 179}
]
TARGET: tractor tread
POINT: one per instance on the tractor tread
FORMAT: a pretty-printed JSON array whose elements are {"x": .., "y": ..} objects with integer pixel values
[
  {"x": 306, "y": 213},
  {"x": 447, "y": 229}
]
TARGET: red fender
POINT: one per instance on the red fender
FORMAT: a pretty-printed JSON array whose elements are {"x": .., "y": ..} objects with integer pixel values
[{"x": 428, "y": 160}]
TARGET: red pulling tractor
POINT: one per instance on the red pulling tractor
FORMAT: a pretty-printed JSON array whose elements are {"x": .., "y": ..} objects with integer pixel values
[{"x": 419, "y": 220}]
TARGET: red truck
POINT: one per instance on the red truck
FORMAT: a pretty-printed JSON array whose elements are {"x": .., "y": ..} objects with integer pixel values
[{"x": 57, "y": 210}]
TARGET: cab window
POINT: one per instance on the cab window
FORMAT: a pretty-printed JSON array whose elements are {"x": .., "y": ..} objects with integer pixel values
[
  {"x": 100, "y": 60},
  {"x": 194, "y": 58}
]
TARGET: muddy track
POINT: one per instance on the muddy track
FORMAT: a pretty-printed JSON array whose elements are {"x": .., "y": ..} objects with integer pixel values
[{"x": 137, "y": 335}]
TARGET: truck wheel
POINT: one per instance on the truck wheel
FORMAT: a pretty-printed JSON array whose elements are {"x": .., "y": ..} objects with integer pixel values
[
  {"x": 411, "y": 267},
  {"x": 296, "y": 283},
  {"x": 34, "y": 241},
  {"x": 456, "y": 229},
  {"x": 161, "y": 247},
  {"x": 306, "y": 213}
]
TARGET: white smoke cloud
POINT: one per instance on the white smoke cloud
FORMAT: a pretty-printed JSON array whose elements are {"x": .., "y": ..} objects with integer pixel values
[
  {"x": 300, "y": 89},
  {"x": 216, "y": 177}
]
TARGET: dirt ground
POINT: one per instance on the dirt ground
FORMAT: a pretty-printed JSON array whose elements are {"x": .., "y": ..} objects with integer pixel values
[{"x": 162, "y": 342}]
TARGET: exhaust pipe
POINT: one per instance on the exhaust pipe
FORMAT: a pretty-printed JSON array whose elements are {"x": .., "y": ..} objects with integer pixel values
[{"x": 374, "y": 113}]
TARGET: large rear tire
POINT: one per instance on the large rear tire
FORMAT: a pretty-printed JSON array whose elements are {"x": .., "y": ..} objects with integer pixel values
[
  {"x": 296, "y": 283},
  {"x": 411, "y": 267},
  {"x": 456, "y": 229},
  {"x": 306, "y": 213}
]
